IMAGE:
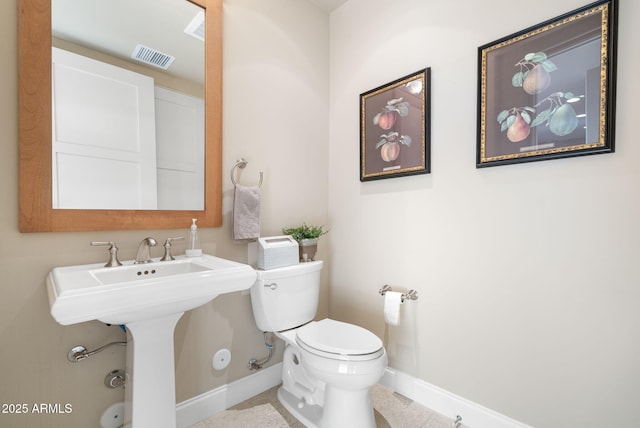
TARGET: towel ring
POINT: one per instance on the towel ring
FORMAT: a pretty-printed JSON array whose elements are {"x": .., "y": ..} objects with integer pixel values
[{"x": 241, "y": 163}]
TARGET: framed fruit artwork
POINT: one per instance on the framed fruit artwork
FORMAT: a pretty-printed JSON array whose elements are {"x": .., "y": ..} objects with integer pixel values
[
  {"x": 549, "y": 91},
  {"x": 394, "y": 128}
]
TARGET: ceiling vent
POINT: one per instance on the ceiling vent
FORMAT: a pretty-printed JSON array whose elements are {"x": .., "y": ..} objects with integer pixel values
[
  {"x": 196, "y": 27},
  {"x": 152, "y": 57}
]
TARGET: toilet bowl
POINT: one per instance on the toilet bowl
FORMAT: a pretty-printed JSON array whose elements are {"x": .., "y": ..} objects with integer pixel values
[{"x": 329, "y": 366}]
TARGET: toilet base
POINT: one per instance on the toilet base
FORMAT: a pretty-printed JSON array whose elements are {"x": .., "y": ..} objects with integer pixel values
[
  {"x": 308, "y": 414},
  {"x": 342, "y": 409}
]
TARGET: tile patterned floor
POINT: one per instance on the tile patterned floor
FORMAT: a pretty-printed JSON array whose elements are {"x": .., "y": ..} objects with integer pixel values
[{"x": 392, "y": 410}]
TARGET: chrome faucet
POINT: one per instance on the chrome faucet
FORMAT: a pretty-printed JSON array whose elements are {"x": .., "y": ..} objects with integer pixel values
[{"x": 143, "y": 255}]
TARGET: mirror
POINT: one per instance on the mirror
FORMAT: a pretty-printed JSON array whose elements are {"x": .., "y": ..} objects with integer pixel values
[
  {"x": 35, "y": 124},
  {"x": 128, "y": 105},
  {"x": 122, "y": 141}
]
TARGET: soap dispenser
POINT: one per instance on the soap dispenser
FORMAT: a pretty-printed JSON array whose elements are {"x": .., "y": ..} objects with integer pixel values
[{"x": 193, "y": 249}]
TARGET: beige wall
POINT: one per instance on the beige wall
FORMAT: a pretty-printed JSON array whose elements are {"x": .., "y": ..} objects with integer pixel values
[
  {"x": 275, "y": 116},
  {"x": 528, "y": 274}
]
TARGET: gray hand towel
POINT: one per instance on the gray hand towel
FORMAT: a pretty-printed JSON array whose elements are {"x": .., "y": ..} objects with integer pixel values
[{"x": 246, "y": 213}]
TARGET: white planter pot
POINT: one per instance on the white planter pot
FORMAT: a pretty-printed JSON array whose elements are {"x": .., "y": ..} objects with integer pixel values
[{"x": 308, "y": 248}]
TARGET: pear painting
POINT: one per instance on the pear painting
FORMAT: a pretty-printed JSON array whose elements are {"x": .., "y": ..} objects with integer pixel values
[
  {"x": 535, "y": 73},
  {"x": 558, "y": 114},
  {"x": 563, "y": 121},
  {"x": 537, "y": 80},
  {"x": 519, "y": 129},
  {"x": 534, "y": 77}
]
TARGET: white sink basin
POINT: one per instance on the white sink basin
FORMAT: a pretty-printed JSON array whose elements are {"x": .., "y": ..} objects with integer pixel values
[
  {"x": 128, "y": 293},
  {"x": 137, "y": 273}
]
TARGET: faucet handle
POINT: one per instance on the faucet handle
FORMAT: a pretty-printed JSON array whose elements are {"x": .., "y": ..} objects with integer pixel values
[
  {"x": 113, "y": 253},
  {"x": 167, "y": 248}
]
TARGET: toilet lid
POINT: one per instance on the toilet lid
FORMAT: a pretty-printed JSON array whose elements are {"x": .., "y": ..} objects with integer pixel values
[{"x": 337, "y": 337}]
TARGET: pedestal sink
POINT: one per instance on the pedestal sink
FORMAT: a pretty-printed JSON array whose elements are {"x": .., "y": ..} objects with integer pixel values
[{"x": 148, "y": 299}]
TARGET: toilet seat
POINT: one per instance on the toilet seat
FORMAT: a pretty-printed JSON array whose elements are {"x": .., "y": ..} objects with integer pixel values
[{"x": 339, "y": 341}]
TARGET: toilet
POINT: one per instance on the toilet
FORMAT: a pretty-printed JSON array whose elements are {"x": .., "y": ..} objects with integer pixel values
[{"x": 328, "y": 366}]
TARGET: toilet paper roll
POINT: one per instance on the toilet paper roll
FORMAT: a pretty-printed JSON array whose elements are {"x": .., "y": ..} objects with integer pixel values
[{"x": 392, "y": 302}]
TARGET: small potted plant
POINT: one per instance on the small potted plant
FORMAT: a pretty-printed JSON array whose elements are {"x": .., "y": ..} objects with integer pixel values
[{"x": 307, "y": 237}]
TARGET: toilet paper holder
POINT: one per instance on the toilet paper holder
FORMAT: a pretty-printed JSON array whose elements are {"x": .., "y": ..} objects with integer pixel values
[{"x": 411, "y": 294}]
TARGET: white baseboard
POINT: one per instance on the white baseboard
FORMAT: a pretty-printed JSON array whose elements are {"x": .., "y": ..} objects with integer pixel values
[
  {"x": 437, "y": 399},
  {"x": 209, "y": 403},
  {"x": 444, "y": 402}
]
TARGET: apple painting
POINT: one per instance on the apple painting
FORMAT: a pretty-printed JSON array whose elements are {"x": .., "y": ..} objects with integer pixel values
[
  {"x": 389, "y": 143},
  {"x": 390, "y": 112}
]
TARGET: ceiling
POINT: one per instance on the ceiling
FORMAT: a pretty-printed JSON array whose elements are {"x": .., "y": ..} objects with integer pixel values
[
  {"x": 328, "y": 5},
  {"x": 116, "y": 26}
]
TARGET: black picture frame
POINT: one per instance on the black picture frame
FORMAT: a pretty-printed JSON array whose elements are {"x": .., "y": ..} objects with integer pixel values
[
  {"x": 395, "y": 128},
  {"x": 548, "y": 91}
]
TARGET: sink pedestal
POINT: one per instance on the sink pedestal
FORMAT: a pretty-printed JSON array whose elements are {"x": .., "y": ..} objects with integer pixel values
[{"x": 150, "y": 390}]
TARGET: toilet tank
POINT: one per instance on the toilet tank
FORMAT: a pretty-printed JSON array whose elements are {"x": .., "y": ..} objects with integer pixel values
[{"x": 286, "y": 297}]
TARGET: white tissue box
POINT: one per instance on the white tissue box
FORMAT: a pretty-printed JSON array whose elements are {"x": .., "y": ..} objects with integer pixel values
[{"x": 277, "y": 251}]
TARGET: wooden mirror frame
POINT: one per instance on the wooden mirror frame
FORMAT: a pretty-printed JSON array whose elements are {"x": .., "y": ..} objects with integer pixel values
[{"x": 34, "y": 130}]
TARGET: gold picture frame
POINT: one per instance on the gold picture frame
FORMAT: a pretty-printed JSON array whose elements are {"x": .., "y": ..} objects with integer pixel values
[
  {"x": 395, "y": 128},
  {"x": 549, "y": 91}
]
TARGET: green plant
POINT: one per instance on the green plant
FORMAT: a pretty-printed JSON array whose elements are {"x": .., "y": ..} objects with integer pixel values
[{"x": 304, "y": 232}]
